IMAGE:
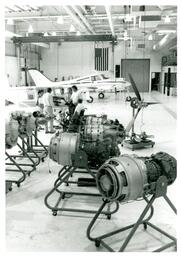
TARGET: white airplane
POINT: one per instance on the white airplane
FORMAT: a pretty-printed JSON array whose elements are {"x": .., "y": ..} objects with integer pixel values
[{"x": 94, "y": 82}]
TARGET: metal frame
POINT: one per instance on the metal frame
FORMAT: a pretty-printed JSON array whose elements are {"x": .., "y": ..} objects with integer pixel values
[
  {"x": 22, "y": 178},
  {"x": 160, "y": 190},
  {"x": 40, "y": 38},
  {"x": 79, "y": 161}
]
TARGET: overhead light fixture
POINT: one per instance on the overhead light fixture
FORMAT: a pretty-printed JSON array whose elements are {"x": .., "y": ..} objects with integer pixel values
[
  {"x": 163, "y": 40},
  {"x": 78, "y": 33},
  {"x": 30, "y": 29},
  {"x": 150, "y": 37},
  {"x": 10, "y": 22},
  {"x": 54, "y": 33},
  {"x": 45, "y": 34},
  {"x": 166, "y": 31},
  {"x": 60, "y": 20},
  {"x": 167, "y": 19},
  {"x": 72, "y": 28}
]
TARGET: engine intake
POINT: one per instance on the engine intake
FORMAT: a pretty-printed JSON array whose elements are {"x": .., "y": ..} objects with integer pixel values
[{"x": 127, "y": 177}]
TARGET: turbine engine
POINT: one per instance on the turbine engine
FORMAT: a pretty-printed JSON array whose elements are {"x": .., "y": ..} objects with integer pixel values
[{"x": 127, "y": 177}]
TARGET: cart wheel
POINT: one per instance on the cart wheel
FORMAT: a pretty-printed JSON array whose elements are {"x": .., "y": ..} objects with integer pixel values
[
  {"x": 97, "y": 243},
  {"x": 128, "y": 98},
  {"x": 145, "y": 226},
  {"x": 42, "y": 160},
  {"x": 67, "y": 184},
  {"x": 63, "y": 196},
  {"x": 54, "y": 213},
  {"x": 101, "y": 95},
  {"x": 109, "y": 216},
  {"x": 10, "y": 189},
  {"x": 18, "y": 185}
]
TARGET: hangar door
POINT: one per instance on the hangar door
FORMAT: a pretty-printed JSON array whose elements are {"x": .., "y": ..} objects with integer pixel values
[{"x": 140, "y": 71}]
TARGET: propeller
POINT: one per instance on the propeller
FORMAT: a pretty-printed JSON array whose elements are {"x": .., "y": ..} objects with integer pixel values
[
  {"x": 144, "y": 103},
  {"x": 130, "y": 124}
]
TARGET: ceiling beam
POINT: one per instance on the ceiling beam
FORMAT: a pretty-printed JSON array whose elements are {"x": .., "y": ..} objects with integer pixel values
[
  {"x": 75, "y": 18},
  {"x": 47, "y": 39},
  {"x": 110, "y": 19},
  {"x": 84, "y": 19}
]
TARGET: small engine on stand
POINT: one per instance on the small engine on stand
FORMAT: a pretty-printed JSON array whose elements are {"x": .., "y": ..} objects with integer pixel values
[{"x": 97, "y": 136}]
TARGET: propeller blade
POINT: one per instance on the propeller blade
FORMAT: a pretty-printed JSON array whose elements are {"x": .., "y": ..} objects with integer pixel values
[
  {"x": 130, "y": 124},
  {"x": 152, "y": 103},
  {"x": 134, "y": 87}
]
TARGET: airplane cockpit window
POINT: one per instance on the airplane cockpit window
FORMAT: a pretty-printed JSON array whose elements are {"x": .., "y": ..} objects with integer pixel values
[{"x": 95, "y": 78}]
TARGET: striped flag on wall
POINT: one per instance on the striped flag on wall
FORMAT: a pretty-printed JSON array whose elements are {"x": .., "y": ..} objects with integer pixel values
[{"x": 101, "y": 59}]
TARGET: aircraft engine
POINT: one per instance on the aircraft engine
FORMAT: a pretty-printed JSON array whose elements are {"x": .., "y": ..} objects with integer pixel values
[
  {"x": 62, "y": 146},
  {"x": 127, "y": 177},
  {"x": 26, "y": 122},
  {"x": 12, "y": 133}
]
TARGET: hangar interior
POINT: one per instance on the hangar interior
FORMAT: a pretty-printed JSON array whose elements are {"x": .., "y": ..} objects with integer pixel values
[{"x": 117, "y": 152}]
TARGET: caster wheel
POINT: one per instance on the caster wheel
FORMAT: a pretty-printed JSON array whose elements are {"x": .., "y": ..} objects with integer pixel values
[
  {"x": 67, "y": 184},
  {"x": 108, "y": 217},
  {"x": 10, "y": 189},
  {"x": 42, "y": 160},
  {"x": 101, "y": 95},
  {"x": 128, "y": 98},
  {"x": 97, "y": 243},
  {"x": 63, "y": 196},
  {"x": 18, "y": 185},
  {"x": 54, "y": 213},
  {"x": 145, "y": 226},
  {"x": 29, "y": 174}
]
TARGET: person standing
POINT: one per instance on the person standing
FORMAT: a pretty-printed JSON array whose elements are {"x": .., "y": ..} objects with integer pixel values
[
  {"x": 48, "y": 110},
  {"x": 76, "y": 95},
  {"x": 40, "y": 100}
]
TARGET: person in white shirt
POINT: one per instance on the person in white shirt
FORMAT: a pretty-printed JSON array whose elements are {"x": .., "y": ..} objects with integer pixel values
[
  {"x": 40, "y": 100},
  {"x": 48, "y": 110},
  {"x": 76, "y": 95}
]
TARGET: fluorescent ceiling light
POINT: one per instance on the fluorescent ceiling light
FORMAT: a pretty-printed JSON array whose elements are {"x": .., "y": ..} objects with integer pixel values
[
  {"x": 30, "y": 29},
  {"x": 167, "y": 19},
  {"x": 78, "y": 33},
  {"x": 150, "y": 37},
  {"x": 45, "y": 34},
  {"x": 60, "y": 20},
  {"x": 10, "y": 22},
  {"x": 163, "y": 40},
  {"x": 54, "y": 33},
  {"x": 166, "y": 31},
  {"x": 72, "y": 28}
]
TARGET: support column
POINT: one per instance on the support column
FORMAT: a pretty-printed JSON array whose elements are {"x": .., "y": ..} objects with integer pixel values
[{"x": 18, "y": 47}]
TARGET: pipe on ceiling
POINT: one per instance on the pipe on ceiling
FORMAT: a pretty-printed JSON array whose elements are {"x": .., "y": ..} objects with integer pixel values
[{"x": 83, "y": 19}]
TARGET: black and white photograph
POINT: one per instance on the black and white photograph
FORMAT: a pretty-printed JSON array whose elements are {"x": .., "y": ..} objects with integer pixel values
[{"x": 90, "y": 126}]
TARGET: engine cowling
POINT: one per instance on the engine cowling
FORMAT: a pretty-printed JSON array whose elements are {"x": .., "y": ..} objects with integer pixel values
[{"x": 125, "y": 177}]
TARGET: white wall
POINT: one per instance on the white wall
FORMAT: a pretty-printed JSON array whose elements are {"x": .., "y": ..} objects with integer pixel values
[
  {"x": 135, "y": 53},
  {"x": 11, "y": 70},
  {"x": 77, "y": 59},
  {"x": 69, "y": 59}
]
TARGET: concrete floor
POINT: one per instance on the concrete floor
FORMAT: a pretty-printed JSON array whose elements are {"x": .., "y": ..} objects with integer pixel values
[{"x": 30, "y": 225}]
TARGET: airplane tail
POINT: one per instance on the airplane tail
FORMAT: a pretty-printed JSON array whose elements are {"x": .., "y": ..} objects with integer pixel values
[{"x": 39, "y": 79}]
